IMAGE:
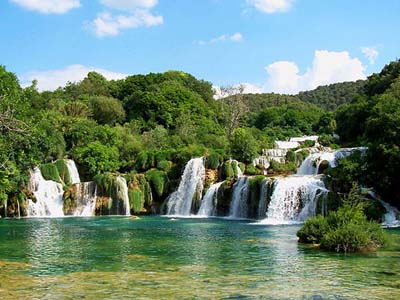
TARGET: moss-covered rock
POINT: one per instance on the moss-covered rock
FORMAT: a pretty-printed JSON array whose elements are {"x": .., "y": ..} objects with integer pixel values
[
  {"x": 158, "y": 181},
  {"x": 224, "y": 198},
  {"x": 212, "y": 161},
  {"x": 227, "y": 170},
  {"x": 62, "y": 168},
  {"x": 211, "y": 178},
  {"x": 50, "y": 172}
]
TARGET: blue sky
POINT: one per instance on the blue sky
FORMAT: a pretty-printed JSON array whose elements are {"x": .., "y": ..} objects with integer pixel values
[{"x": 270, "y": 45}]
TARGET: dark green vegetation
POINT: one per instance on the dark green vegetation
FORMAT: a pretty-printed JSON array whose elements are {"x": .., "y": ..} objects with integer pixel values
[
  {"x": 344, "y": 230},
  {"x": 149, "y": 126}
]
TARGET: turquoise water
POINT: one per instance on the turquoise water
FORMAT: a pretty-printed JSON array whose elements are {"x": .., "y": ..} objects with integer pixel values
[{"x": 160, "y": 258}]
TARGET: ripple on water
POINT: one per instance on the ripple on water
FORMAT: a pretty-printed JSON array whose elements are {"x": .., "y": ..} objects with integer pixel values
[{"x": 154, "y": 258}]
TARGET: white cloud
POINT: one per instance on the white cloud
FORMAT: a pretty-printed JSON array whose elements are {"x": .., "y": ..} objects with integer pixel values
[
  {"x": 271, "y": 6},
  {"x": 235, "y": 38},
  {"x": 371, "y": 53},
  {"x": 108, "y": 25},
  {"x": 328, "y": 67},
  {"x": 53, "y": 79},
  {"x": 129, "y": 5},
  {"x": 49, "y": 6},
  {"x": 137, "y": 14}
]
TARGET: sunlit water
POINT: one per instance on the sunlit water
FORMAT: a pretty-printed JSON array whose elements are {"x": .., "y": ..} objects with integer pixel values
[{"x": 160, "y": 258}]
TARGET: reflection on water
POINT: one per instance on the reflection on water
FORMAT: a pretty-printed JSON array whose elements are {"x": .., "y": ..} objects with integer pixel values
[{"x": 154, "y": 258}]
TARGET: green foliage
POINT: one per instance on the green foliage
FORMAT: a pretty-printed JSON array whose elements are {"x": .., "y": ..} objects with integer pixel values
[
  {"x": 98, "y": 158},
  {"x": 50, "y": 172},
  {"x": 251, "y": 170},
  {"x": 243, "y": 145},
  {"x": 164, "y": 165},
  {"x": 313, "y": 230},
  {"x": 330, "y": 97},
  {"x": 227, "y": 170},
  {"x": 344, "y": 230},
  {"x": 282, "y": 168},
  {"x": 107, "y": 110},
  {"x": 290, "y": 156},
  {"x": 158, "y": 180},
  {"x": 213, "y": 161},
  {"x": 63, "y": 171}
]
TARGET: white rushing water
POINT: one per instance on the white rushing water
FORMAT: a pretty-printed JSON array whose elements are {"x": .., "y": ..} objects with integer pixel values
[
  {"x": 238, "y": 169},
  {"x": 390, "y": 217},
  {"x": 5, "y": 208},
  {"x": 294, "y": 199},
  {"x": 209, "y": 202},
  {"x": 122, "y": 192},
  {"x": 49, "y": 197},
  {"x": 73, "y": 171},
  {"x": 86, "y": 195},
  {"x": 238, "y": 208},
  {"x": 311, "y": 164},
  {"x": 191, "y": 186}
]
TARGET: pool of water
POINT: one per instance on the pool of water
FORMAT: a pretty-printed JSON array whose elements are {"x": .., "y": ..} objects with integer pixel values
[{"x": 160, "y": 258}]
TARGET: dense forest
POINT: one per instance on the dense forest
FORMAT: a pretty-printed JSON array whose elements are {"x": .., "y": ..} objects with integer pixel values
[{"x": 153, "y": 124}]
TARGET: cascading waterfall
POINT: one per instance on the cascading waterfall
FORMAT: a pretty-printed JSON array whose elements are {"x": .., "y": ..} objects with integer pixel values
[
  {"x": 262, "y": 204},
  {"x": 73, "y": 171},
  {"x": 311, "y": 164},
  {"x": 86, "y": 195},
  {"x": 238, "y": 208},
  {"x": 191, "y": 186},
  {"x": 122, "y": 192},
  {"x": 209, "y": 202},
  {"x": 294, "y": 199},
  {"x": 390, "y": 218},
  {"x": 5, "y": 208},
  {"x": 49, "y": 197}
]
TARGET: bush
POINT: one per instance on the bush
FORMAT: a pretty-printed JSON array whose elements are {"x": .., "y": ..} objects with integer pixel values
[
  {"x": 227, "y": 170},
  {"x": 313, "y": 230},
  {"x": 50, "y": 172},
  {"x": 251, "y": 170},
  {"x": 164, "y": 165},
  {"x": 346, "y": 230},
  {"x": 212, "y": 161},
  {"x": 141, "y": 161},
  {"x": 290, "y": 156}
]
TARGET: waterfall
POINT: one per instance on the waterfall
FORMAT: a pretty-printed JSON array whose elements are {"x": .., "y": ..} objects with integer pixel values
[
  {"x": 262, "y": 204},
  {"x": 294, "y": 199},
  {"x": 49, "y": 197},
  {"x": 390, "y": 218},
  {"x": 191, "y": 185},
  {"x": 5, "y": 208},
  {"x": 122, "y": 192},
  {"x": 311, "y": 164},
  {"x": 238, "y": 208},
  {"x": 86, "y": 196},
  {"x": 209, "y": 203},
  {"x": 73, "y": 171}
]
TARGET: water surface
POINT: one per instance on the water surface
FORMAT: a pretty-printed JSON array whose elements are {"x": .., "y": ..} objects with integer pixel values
[{"x": 160, "y": 258}]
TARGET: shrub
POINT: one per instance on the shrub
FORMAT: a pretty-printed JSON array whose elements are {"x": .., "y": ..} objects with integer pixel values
[
  {"x": 313, "y": 230},
  {"x": 227, "y": 170},
  {"x": 346, "y": 230},
  {"x": 290, "y": 156},
  {"x": 212, "y": 161},
  {"x": 50, "y": 172},
  {"x": 251, "y": 170},
  {"x": 141, "y": 163},
  {"x": 164, "y": 165}
]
